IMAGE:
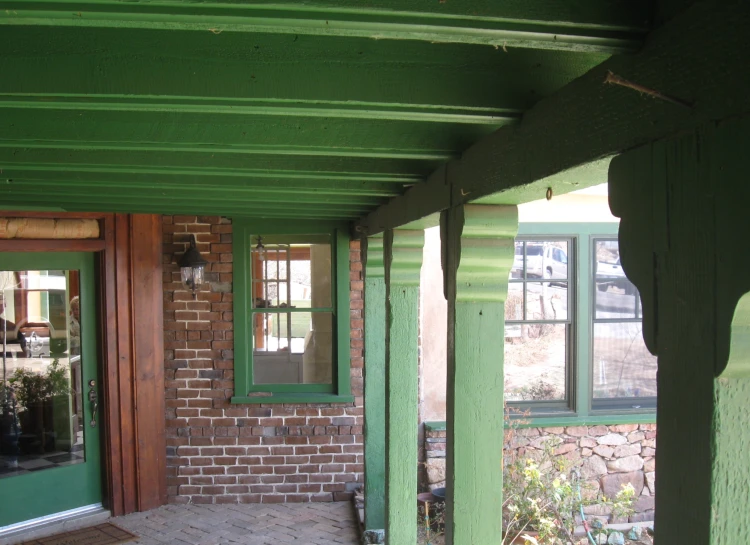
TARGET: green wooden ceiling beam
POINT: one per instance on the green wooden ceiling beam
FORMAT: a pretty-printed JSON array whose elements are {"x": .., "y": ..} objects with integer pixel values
[
  {"x": 699, "y": 57},
  {"x": 158, "y": 173},
  {"x": 21, "y": 124},
  {"x": 62, "y": 155},
  {"x": 518, "y": 27},
  {"x": 301, "y": 189},
  {"x": 179, "y": 191},
  {"x": 632, "y": 15},
  {"x": 169, "y": 207},
  {"x": 262, "y": 107},
  {"x": 177, "y": 201},
  {"x": 375, "y": 77}
]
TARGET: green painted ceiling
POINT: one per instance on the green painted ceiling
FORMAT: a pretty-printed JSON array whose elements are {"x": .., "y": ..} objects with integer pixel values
[{"x": 314, "y": 110}]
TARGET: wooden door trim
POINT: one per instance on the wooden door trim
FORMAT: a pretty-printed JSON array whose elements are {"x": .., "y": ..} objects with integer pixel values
[
  {"x": 52, "y": 245},
  {"x": 132, "y": 365}
]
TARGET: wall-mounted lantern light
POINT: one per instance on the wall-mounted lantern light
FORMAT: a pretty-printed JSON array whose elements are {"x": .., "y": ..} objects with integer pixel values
[
  {"x": 260, "y": 249},
  {"x": 192, "y": 266}
]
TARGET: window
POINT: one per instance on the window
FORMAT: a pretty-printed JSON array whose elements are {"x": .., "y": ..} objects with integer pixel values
[
  {"x": 291, "y": 312},
  {"x": 539, "y": 322},
  {"x": 623, "y": 370}
]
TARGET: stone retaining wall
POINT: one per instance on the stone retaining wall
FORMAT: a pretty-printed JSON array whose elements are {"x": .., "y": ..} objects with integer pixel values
[{"x": 609, "y": 456}]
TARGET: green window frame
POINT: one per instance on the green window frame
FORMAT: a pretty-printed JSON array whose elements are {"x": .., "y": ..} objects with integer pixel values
[
  {"x": 620, "y": 403},
  {"x": 582, "y": 409},
  {"x": 568, "y": 282},
  {"x": 245, "y": 390}
]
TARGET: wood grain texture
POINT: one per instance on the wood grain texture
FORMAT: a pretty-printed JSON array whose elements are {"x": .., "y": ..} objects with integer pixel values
[
  {"x": 113, "y": 462},
  {"x": 133, "y": 366},
  {"x": 478, "y": 247},
  {"x": 682, "y": 224},
  {"x": 56, "y": 245},
  {"x": 375, "y": 396},
  {"x": 148, "y": 340},
  {"x": 403, "y": 260}
]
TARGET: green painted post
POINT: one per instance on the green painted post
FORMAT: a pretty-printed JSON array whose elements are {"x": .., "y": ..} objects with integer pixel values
[
  {"x": 403, "y": 261},
  {"x": 477, "y": 258},
  {"x": 374, "y": 373},
  {"x": 683, "y": 233}
]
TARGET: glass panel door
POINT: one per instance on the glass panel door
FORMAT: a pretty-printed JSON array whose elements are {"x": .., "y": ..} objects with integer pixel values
[{"x": 49, "y": 414}]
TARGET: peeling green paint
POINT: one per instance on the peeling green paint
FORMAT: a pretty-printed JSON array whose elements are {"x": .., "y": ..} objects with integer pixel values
[
  {"x": 478, "y": 255},
  {"x": 684, "y": 224},
  {"x": 403, "y": 261},
  {"x": 374, "y": 374}
]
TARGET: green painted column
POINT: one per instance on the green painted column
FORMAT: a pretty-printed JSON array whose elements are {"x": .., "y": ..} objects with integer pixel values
[
  {"x": 403, "y": 261},
  {"x": 477, "y": 258},
  {"x": 683, "y": 242},
  {"x": 374, "y": 373}
]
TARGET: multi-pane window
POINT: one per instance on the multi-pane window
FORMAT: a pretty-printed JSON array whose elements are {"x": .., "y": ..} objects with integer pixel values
[
  {"x": 538, "y": 322},
  {"x": 624, "y": 371},
  {"x": 292, "y": 309},
  {"x": 291, "y": 312}
]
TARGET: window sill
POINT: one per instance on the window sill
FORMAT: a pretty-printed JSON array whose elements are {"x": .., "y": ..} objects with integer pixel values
[
  {"x": 292, "y": 399},
  {"x": 591, "y": 420},
  {"x": 571, "y": 420}
]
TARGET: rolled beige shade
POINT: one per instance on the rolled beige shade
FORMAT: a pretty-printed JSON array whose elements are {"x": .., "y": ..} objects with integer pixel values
[{"x": 44, "y": 228}]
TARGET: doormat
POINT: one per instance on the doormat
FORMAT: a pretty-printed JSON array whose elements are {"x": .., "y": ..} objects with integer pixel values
[{"x": 101, "y": 534}]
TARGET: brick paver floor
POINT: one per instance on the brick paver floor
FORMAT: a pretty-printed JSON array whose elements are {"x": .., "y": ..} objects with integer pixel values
[{"x": 247, "y": 524}]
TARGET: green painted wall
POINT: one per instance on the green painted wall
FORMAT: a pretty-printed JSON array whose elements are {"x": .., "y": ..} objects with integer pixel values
[
  {"x": 683, "y": 204},
  {"x": 478, "y": 256},
  {"x": 374, "y": 374},
  {"x": 403, "y": 259}
]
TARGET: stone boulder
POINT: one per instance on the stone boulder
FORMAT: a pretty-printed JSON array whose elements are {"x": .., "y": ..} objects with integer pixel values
[
  {"x": 626, "y": 464},
  {"x": 651, "y": 481},
  {"x": 604, "y": 451},
  {"x": 627, "y": 450},
  {"x": 436, "y": 470},
  {"x": 593, "y": 467},
  {"x": 612, "y": 484},
  {"x": 612, "y": 439}
]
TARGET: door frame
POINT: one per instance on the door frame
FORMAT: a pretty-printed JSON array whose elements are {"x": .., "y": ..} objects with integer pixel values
[
  {"x": 128, "y": 272},
  {"x": 79, "y": 485}
]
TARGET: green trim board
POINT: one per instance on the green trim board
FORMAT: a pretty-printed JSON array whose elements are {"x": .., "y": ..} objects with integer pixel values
[
  {"x": 614, "y": 29},
  {"x": 552, "y": 422},
  {"x": 339, "y": 390},
  {"x": 295, "y": 398},
  {"x": 374, "y": 375}
]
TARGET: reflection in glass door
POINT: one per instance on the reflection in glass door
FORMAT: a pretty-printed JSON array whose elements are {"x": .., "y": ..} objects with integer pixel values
[{"x": 49, "y": 451}]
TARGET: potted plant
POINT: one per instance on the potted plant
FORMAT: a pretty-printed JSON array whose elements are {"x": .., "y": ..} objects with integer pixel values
[
  {"x": 44, "y": 406},
  {"x": 8, "y": 423}
]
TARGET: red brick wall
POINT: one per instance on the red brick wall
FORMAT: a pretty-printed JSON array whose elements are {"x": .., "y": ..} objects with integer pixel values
[{"x": 223, "y": 453}]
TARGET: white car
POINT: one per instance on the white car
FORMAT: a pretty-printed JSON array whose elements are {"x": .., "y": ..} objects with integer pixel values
[
  {"x": 542, "y": 261},
  {"x": 612, "y": 274}
]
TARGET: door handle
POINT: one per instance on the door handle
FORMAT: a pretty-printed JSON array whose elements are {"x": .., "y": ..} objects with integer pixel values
[{"x": 94, "y": 400}]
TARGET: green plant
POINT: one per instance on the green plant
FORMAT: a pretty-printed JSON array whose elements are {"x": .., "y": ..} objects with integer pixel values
[
  {"x": 31, "y": 387},
  {"x": 543, "y": 495}
]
